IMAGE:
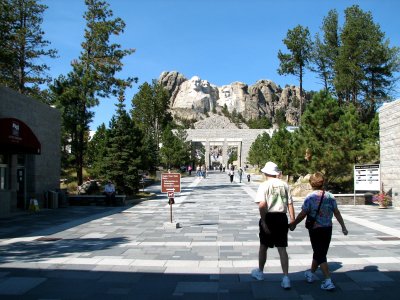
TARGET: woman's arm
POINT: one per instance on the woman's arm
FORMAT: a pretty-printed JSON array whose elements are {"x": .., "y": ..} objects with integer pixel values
[
  {"x": 298, "y": 219},
  {"x": 339, "y": 218}
]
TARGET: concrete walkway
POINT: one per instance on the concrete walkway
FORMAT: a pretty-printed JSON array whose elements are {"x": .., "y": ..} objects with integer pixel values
[{"x": 130, "y": 253}]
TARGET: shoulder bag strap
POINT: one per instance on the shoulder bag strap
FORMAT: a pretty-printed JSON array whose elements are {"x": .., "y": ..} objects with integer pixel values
[{"x": 320, "y": 202}]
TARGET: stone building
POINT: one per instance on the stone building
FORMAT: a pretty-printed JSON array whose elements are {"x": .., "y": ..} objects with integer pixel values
[
  {"x": 30, "y": 156},
  {"x": 389, "y": 131}
]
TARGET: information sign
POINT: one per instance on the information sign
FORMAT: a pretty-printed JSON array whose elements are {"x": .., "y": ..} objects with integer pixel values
[
  {"x": 170, "y": 182},
  {"x": 367, "y": 178}
]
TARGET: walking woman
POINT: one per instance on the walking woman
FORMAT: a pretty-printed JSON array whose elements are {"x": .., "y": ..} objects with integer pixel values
[{"x": 321, "y": 231}]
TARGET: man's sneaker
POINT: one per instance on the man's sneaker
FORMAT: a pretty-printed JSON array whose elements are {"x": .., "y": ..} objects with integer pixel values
[
  {"x": 257, "y": 274},
  {"x": 310, "y": 276},
  {"x": 327, "y": 285},
  {"x": 285, "y": 283}
]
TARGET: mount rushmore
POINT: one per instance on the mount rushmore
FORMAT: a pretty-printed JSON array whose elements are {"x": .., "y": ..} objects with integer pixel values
[{"x": 195, "y": 98}]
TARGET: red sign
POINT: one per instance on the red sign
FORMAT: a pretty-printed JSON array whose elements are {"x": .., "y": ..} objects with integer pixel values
[
  {"x": 170, "y": 182},
  {"x": 171, "y": 195}
]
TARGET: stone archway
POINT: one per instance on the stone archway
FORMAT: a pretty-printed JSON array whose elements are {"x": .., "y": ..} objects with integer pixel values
[{"x": 212, "y": 139}]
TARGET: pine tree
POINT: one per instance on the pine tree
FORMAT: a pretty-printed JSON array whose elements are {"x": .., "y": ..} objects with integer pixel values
[
  {"x": 299, "y": 44},
  {"x": 259, "y": 152},
  {"x": 150, "y": 112},
  {"x": 94, "y": 74},
  {"x": 365, "y": 64},
  {"x": 123, "y": 156},
  {"x": 280, "y": 150},
  {"x": 175, "y": 150},
  {"x": 97, "y": 151},
  {"x": 333, "y": 134},
  {"x": 23, "y": 46}
]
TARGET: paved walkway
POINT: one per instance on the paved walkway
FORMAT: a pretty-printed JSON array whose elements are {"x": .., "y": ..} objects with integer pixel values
[{"x": 130, "y": 253}]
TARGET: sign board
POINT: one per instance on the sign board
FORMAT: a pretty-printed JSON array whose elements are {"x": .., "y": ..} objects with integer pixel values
[
  {"x": 367, "y": 178},
  {"x": 170, "y": 182},
  {"x": 171, "y": 194}
]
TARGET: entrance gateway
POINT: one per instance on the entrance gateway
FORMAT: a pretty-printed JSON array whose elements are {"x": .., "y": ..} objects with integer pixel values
[{"x": 220, "y": 143}]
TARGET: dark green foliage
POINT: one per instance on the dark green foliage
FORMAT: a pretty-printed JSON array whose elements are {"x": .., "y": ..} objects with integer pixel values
[
  {"x": 299, "y": 44},
  {"x": 259, "y": 151},
  {"x": 280, "y": 117},
  {"x": 123, "y": 155},
  {"x": 361, "y": 62},
  {"x": 335, "y": 136},
  {"x": 23, "y": 47},
  {"x": 259, "y": 123},
  {"x": 280, "y": 150},
  {"x": 96, "y": 152},
  {"x": 175, "y": 150},
  {"x": 93, "y": 76},
  {"x": 150, "y": 112}
]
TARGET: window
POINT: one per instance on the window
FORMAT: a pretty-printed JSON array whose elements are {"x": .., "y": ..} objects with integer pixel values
[
  {"x": 3, "y": 177},
  {"x": 3, "y": 172}
]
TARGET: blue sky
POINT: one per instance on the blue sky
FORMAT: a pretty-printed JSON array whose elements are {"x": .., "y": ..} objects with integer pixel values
[{"x": 221, "y": 41}]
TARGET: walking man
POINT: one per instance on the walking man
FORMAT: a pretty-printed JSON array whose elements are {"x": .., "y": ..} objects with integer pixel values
[{"x": 274, "y": 202}]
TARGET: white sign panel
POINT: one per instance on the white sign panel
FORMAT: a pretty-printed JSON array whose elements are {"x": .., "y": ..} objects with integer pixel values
[{"x": 367, "y": 178}]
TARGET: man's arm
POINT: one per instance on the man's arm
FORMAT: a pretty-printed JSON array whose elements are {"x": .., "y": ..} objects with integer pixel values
[
  {"x": 262, "y": 207},
  {"x": 291, "y": 212}
]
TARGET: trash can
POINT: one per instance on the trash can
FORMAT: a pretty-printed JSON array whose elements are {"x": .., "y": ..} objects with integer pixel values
[{"x": 52, "y": 198}]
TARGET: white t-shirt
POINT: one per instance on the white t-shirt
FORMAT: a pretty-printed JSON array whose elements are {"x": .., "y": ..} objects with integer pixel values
[
  {"x": 276, "y": 193},
  {"x": 109, "y": 188}
]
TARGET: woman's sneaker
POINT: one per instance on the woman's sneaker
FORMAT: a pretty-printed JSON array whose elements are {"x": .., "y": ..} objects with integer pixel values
[
  {"x": 285, "y": 282},
  {"x": 257, "y": 274},
  {"x": 310, "y": 276},
  {"x": 327, "y": 285}
]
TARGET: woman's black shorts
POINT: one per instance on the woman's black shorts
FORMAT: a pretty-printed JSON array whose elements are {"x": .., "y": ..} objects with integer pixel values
[{"x": 320, "y": 238}]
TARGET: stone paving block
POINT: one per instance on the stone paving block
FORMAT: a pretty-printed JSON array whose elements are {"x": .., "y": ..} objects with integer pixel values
[
  {"x": 368, "y": 277},
  {"x": 19, "y": 285}
]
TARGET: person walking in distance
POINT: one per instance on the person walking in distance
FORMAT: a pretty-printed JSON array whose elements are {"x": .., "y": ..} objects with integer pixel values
[
  {"x": 320, "y": 232},
  {"x": 240, "y": 172},
  {"x": 274, "y": 202},
  {"x": 231, "y": 174}
]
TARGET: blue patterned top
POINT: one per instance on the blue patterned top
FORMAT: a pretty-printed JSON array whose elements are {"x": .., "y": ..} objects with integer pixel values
[{"x": 328, "y": 206}]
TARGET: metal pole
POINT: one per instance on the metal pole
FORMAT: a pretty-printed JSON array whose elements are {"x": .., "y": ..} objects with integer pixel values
[{"x": 170, "y": 209}]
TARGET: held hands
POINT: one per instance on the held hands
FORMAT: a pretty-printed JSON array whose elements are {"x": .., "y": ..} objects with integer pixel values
[{"x": 292, "y": 226}]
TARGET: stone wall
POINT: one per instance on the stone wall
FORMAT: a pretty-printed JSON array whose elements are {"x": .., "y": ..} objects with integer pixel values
[
  {"x": 42, "y": 171},
  {"x": 389, "y": 131}
]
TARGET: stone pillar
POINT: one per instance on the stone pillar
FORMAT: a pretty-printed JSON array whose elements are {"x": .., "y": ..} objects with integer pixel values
[
  {"x": 225, "y": 153},
  {"x": 240, "y": 154},
  {"x": 207, "y": 153}
]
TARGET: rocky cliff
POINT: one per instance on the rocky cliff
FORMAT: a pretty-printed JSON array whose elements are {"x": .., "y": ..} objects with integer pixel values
[{"x": 195, "y": 98}]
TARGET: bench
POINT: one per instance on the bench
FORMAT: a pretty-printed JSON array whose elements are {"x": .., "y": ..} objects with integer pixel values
[{"x": 82, "y": 200}]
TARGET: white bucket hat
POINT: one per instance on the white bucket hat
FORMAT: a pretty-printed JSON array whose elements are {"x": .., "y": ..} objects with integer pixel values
[{"x": 270, "y": 168}]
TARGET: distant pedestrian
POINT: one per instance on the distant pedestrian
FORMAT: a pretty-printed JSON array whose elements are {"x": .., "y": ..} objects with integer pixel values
[
  {"x": 320, "y": 233},
  {"x": 240, "y": 172},
  {"x": 274, "y": 202},
  {"x": 190, "y": 170},
  {"x": 231, "y": 173},
  {"x": 248, "y": 177},
  {"x": 198, "y": 171}
]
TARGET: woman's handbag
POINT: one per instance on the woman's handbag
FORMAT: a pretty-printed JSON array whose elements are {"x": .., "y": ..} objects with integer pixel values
[{"x": 310, "y": 221}]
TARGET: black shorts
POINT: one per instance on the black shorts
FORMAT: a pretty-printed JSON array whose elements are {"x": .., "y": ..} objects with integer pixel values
[
  {"x": 278, "y": 226},
  {"x": 320, "y": 238}
]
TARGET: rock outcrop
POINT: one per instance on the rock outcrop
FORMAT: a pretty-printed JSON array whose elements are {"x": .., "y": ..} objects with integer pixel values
[{"x": 195, "y": 98}]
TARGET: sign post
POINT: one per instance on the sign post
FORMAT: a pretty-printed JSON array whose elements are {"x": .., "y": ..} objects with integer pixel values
[
  {"x": 366, "y": 178},
  {"x": 171, "y": 184}
]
